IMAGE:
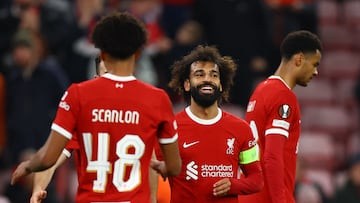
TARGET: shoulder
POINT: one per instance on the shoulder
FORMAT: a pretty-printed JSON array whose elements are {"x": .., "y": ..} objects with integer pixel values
[
  {"x": 181, "y": 115},
  {"x": 231, "y": 119},
  {"x": 273, "y": 90},
  {"x": 152, "y": 87}
]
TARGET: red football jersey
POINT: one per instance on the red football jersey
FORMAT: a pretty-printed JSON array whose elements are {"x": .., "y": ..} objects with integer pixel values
[
  {"x": 273, "y": 109},
  {"x": 116, "y": 121},
  {"x": 210, "y": 151},
  {"x": 73, "y": 147}
]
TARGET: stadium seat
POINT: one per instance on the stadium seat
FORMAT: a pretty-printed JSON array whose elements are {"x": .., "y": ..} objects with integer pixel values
[
  {"x": 336, "y": 36},
  {"x": 333, "y": 119},
  {"x": 327, "y": 12},
  {"x": 340, "y": 64},
  {"x": 319, "y": 91},
  {"x": 317, "y": 149},
  {"x": 344, "y": 90},
  {"x": 351, "y": 13}
]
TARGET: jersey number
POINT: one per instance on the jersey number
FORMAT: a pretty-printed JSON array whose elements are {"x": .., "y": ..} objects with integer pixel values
[{"x": 102, "y": 166}]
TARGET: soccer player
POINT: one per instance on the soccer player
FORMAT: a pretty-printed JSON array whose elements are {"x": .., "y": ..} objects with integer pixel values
[
  {"x": 116, "y": 120},
  {"x": 213, "y": 144},
  {"x": 273, "y": 113},
  {"x": 43, "y": 178}
]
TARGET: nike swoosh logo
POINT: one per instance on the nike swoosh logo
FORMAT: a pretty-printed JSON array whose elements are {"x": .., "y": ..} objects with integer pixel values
[{"x": 186, "y": 145}]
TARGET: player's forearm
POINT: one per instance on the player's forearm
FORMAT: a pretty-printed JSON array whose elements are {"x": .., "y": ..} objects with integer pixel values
[
  {"x": 39, "y": 162},
  {"x": 172, "y": 159},
  {"x": 253, "y": 181},
  {"x": 153, "y": 178},
  {"x": 43, "y": 178}
]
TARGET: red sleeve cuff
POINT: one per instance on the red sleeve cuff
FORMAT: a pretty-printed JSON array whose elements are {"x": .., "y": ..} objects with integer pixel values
[{"x": 252, "y": 182}]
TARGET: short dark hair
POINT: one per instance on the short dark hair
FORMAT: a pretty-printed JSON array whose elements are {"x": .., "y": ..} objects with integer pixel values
[
  {"x": 181, "y": 70},
  {"x": 119, "y": 34},
  {"x": 97, "y": 65},
  {"x": 299, "y": 41}
]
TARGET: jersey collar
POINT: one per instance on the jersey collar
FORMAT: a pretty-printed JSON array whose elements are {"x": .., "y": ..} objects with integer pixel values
[
  {"x": 203, "y": 121},
  {"x": 118, "y": 78},
  {"x": 279, "y": 78}
]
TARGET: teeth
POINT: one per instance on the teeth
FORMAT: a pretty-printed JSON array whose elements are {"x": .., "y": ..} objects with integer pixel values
[{"x": 207, "y": 88}]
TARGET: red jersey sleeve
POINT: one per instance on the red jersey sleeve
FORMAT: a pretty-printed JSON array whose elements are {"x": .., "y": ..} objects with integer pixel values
[
  {"x": 250, "y": 165},
  {"x": 274, "y": 167},
  {"x": 73, "y": 144},
  {"x": 65, "y": 119},
  {"x": 168, "y": 130}
]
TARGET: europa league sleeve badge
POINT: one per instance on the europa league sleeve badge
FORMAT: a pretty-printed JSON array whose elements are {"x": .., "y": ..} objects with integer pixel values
[{"x": 284, "y": 111}]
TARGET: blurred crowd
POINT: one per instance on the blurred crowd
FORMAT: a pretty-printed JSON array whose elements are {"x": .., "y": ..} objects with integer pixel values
[{"x": 45, "y": 46}]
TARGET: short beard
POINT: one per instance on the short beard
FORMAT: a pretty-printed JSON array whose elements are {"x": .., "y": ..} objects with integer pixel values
[{"x": 205, "y": 100}]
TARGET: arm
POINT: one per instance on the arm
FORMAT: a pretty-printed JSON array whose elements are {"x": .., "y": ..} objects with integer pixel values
[
  {"x": 253, "y": 182},
  {"x": 153, "y": 176},
  {"x": 171, "y": 166},
  {"x": 42, "y": 180},
  {"x": 44, "y": 158},
  {"x": 274, "y": 167}
]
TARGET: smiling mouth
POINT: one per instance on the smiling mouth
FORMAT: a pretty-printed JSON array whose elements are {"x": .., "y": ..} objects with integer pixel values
[{"x": 207, "y": 90}]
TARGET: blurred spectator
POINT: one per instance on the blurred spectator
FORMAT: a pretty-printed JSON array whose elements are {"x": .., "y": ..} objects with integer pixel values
[
  {"x": 307, "y": 191},
  {"x": 350, "y": 191},
  {"x": 149, "y": 12},
  {"x": 66, "y": 26},
  {"x": 287, "y": 16},
  {"x": 291, "y": 15},
  {"x": 63, "y": 23},
  {"x": 174, "y": 14},
  {"x": 21, "y": 191},
  {"x": 4, "y": 200},
  {"x": 34, "y": 85},
  {"x": 188, "y": 36},
  {"x": 238, "y": 28},
  {"x": 14, "y": 14}
]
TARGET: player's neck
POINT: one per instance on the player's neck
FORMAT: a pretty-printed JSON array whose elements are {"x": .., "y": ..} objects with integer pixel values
[
  {"x": 205, "y": 113},
  {"x": 121, "y": 67},
  {"x": 286, "y": 73}
]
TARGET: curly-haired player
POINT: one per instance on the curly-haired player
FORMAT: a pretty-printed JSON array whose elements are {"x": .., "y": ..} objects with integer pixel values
[{"x": 213, "y": 144}]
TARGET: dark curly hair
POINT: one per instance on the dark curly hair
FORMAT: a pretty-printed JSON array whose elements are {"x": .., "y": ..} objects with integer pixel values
[
  {"x": 119, "y": 34},
  {"x": 181, "y": 70}
]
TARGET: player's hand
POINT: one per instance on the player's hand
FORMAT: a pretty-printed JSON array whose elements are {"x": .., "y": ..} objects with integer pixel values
[
  {"x": 20, "y": 172},
  {"x": 159, "y": 167},
  {"x": 38, "y": 196},
  {"x": 222, "y": 187}
]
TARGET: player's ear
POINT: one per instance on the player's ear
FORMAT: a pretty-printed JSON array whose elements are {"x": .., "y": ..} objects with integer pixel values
[
  {"x": 299, "y": 59},
  {"x": 187, "y": 85}
]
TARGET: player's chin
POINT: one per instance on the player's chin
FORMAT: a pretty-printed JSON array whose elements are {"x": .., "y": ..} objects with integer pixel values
[{"x": 303, "y": 84}]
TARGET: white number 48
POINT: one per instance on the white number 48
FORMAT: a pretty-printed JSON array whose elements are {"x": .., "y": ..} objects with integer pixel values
[{"x": 102, "y": 166}]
